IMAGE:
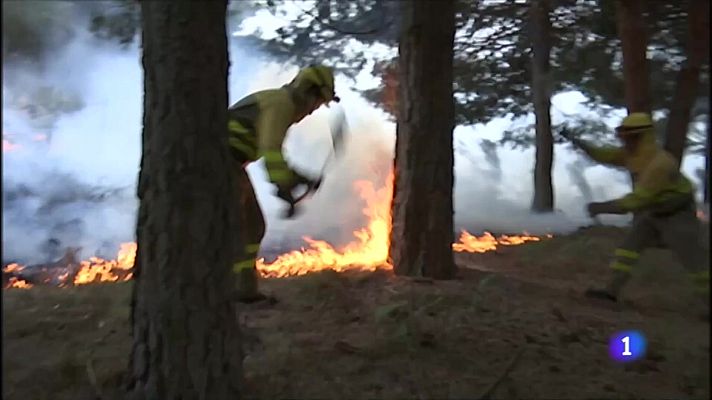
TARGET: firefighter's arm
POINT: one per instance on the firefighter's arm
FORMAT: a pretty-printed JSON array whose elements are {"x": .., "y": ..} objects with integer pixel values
[
  {"x": 272, "y": 126},
  {"x": 653, "y": 181},
  {"x": 603, "y": 154}
]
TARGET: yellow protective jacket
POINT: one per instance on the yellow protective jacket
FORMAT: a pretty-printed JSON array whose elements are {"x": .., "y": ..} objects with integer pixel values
[
  {"x": 657, "y": 180},
  {"x": 257, "y": 126}
]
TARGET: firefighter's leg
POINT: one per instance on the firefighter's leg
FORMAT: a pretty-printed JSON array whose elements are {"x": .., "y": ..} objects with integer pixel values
[
  {"x": 252, "y": 226},
  {"x": 681, "y": 234},
  {"x": 625, "y": 257}
]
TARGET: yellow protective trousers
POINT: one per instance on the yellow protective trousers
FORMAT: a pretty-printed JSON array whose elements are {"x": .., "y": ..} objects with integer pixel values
[
  {"x": 252, "y": 229},
  {"x": 679, "y": 231}
]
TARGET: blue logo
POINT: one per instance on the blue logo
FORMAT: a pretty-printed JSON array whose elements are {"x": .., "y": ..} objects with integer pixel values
[{"x": 627, "y": 346}]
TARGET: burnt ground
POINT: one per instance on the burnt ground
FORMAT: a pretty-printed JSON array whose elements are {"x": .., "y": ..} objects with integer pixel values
[{"x": 371, "y": 335}]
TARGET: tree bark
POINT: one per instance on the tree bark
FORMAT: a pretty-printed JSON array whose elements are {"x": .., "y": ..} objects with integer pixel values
[
  {"x": 422, "y": 234},
  {"x": 634, "y": 42},
  {"x": 707, "y": 161},
  {"x": 687, "y": 88},
  {"x": 541, "y": 91},
  {"x": 186, "y": 338}
]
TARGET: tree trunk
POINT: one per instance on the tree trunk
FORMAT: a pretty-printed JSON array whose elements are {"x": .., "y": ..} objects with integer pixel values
[
  {"x": 422, "y": 234},
  {"x": 707, "y": 161},
  {"x": 186, "y": 338},
  {"x": 541, "y": 90},
  {"x": 687, "y": 88},
  {"x": 634, "y": 41}
]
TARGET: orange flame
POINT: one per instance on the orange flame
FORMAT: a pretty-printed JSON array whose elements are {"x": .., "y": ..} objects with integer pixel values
[
  {"x": 368, "y": 252},
  {"x": 14, "y": 267},
  {"x": 18, "y": 283},
  {"x": 14, "y": 282},
  {"x": 487, "y": 242},
  {"x": 99, "y": 270}
]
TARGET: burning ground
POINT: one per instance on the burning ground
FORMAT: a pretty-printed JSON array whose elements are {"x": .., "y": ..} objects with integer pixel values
[
  {"x": 344, "y": 326},
  {"x": 358, "y": 334},
  {"x": 367, "y": 251}
]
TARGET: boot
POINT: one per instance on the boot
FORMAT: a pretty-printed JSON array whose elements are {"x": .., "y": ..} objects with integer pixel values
[
  {"x": 612, "y": 291},
  {"x": 249, "y": 298}
]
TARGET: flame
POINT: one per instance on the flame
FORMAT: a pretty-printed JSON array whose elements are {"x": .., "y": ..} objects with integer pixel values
[
  {"x": 14, "y": 282},
  {"x": 18, "y": 283},
  {"x": 14, "y": 267},
  {"x": 369, "y": 250},
  {"x": 99, "y": 270},
  {"x": 487, "y": 242}
]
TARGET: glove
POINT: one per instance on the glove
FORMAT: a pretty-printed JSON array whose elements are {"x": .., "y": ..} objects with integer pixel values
[
  {"x": 285, "y": 194},
  {"x": 284, "y": 189},
  {"x": 608, "y": 207},
  {"x": 301, "y": 179}
]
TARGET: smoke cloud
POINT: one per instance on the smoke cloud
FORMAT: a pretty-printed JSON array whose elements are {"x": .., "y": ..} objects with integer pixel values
[{"x": 69, "y": 177}]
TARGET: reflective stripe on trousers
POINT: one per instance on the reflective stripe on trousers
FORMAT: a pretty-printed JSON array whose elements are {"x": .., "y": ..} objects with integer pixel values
[
  {"x": 242, "y": 140},
  {"x": 250, "y": 259},
  {"x": 624, "y": 260}
]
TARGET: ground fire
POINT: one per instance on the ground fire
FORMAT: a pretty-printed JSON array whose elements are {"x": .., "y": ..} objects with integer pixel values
[{"x": 368, "y": 251}]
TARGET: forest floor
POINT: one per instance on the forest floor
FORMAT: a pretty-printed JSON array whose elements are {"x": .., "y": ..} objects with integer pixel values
[{"x": 372, "y": 335}]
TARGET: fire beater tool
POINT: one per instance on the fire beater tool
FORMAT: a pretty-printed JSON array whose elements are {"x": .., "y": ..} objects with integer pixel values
[{"x": 338, "y": 127}]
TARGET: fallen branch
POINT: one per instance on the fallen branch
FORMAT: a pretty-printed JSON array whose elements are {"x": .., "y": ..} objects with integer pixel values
[{"x": 510, "y": 366}]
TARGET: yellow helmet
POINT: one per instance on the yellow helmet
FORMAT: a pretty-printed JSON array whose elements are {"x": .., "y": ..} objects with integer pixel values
[
  {"x": 635, "y": 123},
  {"x": 319, "y": 76}
]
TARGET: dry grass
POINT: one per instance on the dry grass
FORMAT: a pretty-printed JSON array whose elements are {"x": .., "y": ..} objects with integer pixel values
[{"x": 359, "y": 335}]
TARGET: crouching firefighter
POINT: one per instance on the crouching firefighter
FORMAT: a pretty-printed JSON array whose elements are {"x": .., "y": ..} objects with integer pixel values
[
  {"x": 662, "y": 203},
  {"x": 257, "y": 126}
]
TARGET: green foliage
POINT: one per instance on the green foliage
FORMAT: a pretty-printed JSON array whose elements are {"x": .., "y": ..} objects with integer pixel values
[
  {"x": 492, "y": 52},
  {"x": 323, "y": 29}
]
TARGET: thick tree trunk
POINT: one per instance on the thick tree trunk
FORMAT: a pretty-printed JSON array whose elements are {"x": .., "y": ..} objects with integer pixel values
[
  {"x": 707, "y": 161},
  {"x": 422, "y": 234},
  {"x": 186, "y": 338},
  {"x": 634, "y": 41},
  {"x": 541, "y": 90},
  {"x": 687, "y": 88}
]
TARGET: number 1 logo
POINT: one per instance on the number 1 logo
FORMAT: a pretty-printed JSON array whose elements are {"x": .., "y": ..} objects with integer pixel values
[{"x": 626, "y": 346}]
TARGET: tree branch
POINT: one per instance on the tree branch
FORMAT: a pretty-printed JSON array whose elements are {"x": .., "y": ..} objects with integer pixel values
[{"x": 329, "y": 24}]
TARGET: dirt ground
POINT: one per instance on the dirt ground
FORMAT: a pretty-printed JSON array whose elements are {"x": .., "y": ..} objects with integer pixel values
[{"x": 372, "y": 335}]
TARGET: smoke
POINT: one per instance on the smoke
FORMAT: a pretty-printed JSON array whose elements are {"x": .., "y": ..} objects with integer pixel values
[
  {"x": 74, "y": 127},
  {"x": 70, "y": 181},
  {"x": 71, "y": 144}
]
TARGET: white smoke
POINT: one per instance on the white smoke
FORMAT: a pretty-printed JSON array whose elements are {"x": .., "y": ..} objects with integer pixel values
[{"x": 79, "y": 187}]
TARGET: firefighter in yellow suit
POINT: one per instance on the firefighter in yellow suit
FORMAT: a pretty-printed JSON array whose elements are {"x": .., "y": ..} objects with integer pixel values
[
  {"x": 662, "y": 203},
  {"x": 257, "y": 126}
]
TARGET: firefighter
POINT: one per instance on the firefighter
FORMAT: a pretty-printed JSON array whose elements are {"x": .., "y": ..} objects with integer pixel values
[
  {"x": 662, "y": 203},
  {"x": 257, "y": 126}
]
